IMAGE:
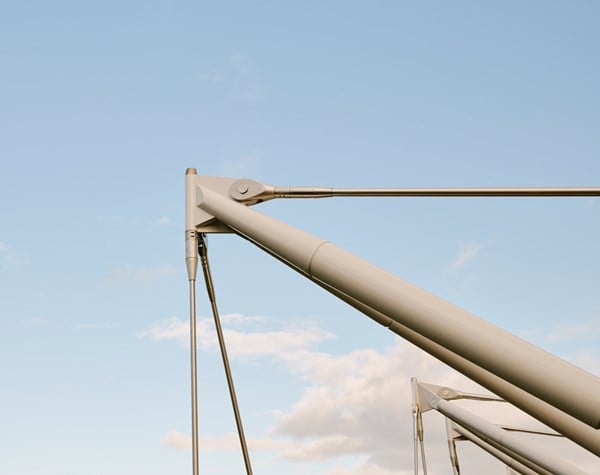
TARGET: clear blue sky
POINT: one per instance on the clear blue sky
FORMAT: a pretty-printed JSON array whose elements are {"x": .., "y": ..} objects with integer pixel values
[{"x": 103, "y": 105}]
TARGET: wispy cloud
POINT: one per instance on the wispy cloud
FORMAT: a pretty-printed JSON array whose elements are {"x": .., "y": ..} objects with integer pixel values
[
  {"x": 239, "y": 343},
  {"x": 355, "y": 408},
  {"x": 228, "y": 442},
  {"x": 177, "y": 440},
  {"x": 587, "y": 359},
  {"x": 7, "y": 254},
  {"x": 359, "y": 404},
  {"x": 355, "y": 404},
  {"x": 584, "y": 331},
  {"x": 241, "y": 64},
  {"x": 96, "y": 325},
  {"x": 366, "y": 468},
  {"x": 121, "y": 221},
  {"x": 170, "y": 329},
  {"x": 142, "y": 275},
  {"x": 466, "y": 254},
  {"x": 583, "y": 335},
  {"x": 211, "y": 76}
]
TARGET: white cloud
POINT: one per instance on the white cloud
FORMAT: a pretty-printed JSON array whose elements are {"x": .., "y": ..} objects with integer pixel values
[
  {"x": 96, "y": 325},
  {"x": 177, "y": 440},
  {"x": 368, "y": 468},
  {"x": 466, "y": 254},
  {"x": 228, "y": 442},
  {"x": 169, "y": 329},
  {"x": 279, "y": 342},
  {"x": 324, "y": 448},
  {"x": 359, "y": 404},
  {"x": 237, "y": 319},
  {"x": 239, "y": 343},
  {"x": 120, "y": 221},
  {"x": 356, "y": 407}
]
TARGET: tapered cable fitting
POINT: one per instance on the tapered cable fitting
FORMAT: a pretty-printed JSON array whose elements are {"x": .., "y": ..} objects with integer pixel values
[{"x": 191, "y": 254}]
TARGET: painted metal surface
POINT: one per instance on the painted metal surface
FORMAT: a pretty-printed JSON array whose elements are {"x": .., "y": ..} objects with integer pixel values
[
  {"x": 478, "y": 341},
  {"x": 499, "y": 361}
]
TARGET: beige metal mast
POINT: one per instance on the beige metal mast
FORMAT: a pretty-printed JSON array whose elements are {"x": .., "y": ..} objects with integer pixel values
[{"x": 494, "y": 358}]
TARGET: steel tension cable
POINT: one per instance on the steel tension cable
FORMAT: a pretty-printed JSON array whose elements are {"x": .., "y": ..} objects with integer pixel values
[
  {"x": 415, "y": 444},
  {"x": 251, "y": 192},
  {"x": 203, "y": 252},
  {"x": 418, "y": 440}
]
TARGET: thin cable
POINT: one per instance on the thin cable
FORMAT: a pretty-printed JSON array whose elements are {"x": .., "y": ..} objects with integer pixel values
[
  {"x": 319, "y": 192},
  {"x": 423, "y": 457},
  {"x": 420, "y": 437},
  {"x": 415, "y": 443},
  {"x": 203, "y": 251},
  {"x": 453, "y": 457}
]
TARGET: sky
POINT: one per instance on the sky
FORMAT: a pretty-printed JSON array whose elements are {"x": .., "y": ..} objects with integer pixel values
[{"x": 103, "y": 106}]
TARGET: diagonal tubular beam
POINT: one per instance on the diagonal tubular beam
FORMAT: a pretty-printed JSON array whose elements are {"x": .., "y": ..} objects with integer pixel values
[
  {"x": 480, "y": 342},
  {"x": 571, "y": 428}
]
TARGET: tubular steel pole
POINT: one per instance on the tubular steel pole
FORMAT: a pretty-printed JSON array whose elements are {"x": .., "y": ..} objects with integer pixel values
[
  {"x": 482, "y": 343},
  {"x": 191, "y": 263},
  {"x": 573, "y": 429},
  {"x": 565, "y": 424}
]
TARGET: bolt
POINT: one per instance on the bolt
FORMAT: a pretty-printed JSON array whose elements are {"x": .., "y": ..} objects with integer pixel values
[{"x": 243, "y": 188}]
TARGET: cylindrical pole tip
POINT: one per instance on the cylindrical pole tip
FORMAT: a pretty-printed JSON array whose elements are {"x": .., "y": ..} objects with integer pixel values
[{"x": 191, "y": 171}]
